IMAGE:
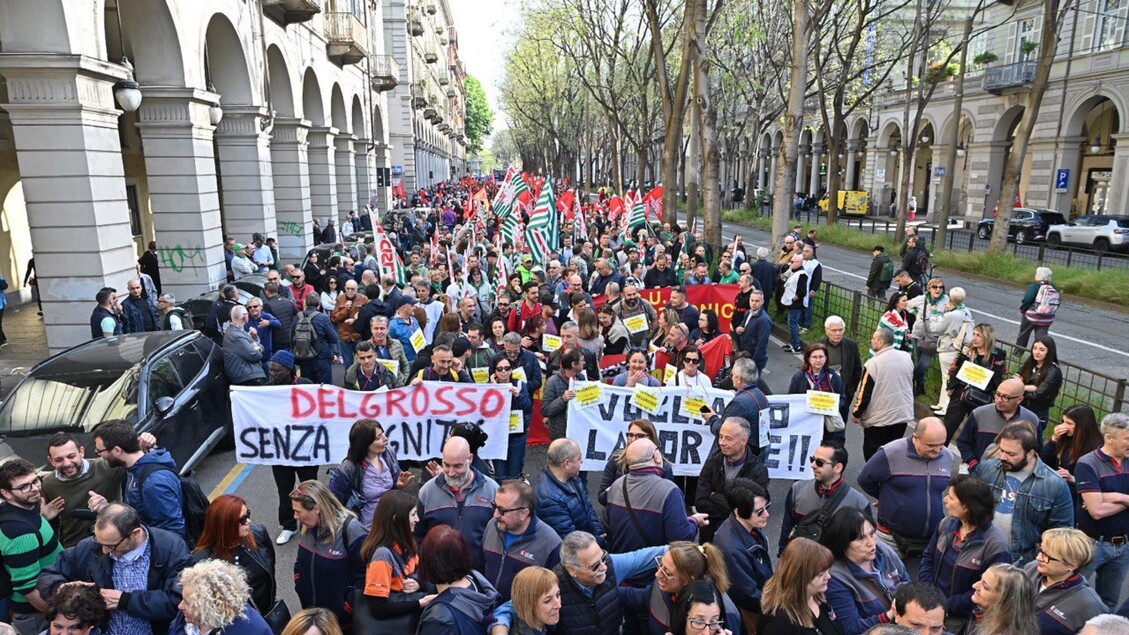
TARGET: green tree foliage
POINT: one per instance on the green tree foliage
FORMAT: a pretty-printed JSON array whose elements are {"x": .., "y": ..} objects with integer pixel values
[{"x": 479, "y": 117}]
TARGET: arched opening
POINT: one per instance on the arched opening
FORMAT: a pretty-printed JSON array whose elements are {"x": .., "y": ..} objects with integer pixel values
[
  {"x": 313, "y": 109},
  {"x": 281, "y": 90},
  {"x": 888, "y": 167},
  {"x": 857, "y": 154},
  {"x": 1099, "y": 123},
  {"x": 1003, "y": 134},
  {"x": 925, "y": 179}
]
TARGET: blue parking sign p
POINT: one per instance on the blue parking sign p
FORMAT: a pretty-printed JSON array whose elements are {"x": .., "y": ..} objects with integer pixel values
[{"x": 1062, "y": 179}]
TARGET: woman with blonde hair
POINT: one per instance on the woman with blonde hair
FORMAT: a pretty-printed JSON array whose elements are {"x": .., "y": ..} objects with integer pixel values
[
  {"x": 591, "y": 338},
  {"x": 536, "y": 597},
  {"x": 964, "y": 398},
  {"x": 683, "y": 564},
  {"x": 329, "y": 568},
  {"x": 794, "y": 600},
  {"x": 1003, "y": 596},
  {"x": 216, "y": 598},
  {"x": 1058, "y": 584},
  {"x": 315, "y": 621}
]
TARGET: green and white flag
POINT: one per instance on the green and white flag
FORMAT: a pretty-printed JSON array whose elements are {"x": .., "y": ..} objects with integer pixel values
[{"x": 541, "y": 234}]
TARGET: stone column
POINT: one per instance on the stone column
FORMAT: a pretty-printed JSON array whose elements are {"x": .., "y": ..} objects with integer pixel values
[
  {"x": 366, "y": 177},
  {"x": 997, "y": 151},
  {"x": 183, "y": 194},
  {"x": 346, "y": 175},
  {"x": 852, "y": 165},
  {"x": 65, "y": 128},
  {"x": 813, "y": 183},
  {"x": 800, "y": 157},
  {"x": 323, "y": 174},
  {"x": 243, "y": 148},
  {"x": 1070, "y": 159},
  {"x": 762, "y": 171},
  {"x": 772, "y": 169},
  {"x": 290, "y": 170},
  {"x": 382, "y": 157},
  {"x": 1117, "y": 181}
]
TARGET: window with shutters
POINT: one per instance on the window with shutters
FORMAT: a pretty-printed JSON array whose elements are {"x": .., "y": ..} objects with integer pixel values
[
  {"x": 1026, "y": 30},
  {"x": 1110, "y": 24}
]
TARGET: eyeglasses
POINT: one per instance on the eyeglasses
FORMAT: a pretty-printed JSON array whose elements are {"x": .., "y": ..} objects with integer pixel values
[
  {"x": 28, "y": 486},
  {"x": 663, "y": 573},
  {"x": 937, "y": 286},
  {"x": 1042, "y": 554},
  {"x": 113, "y": 547},
  {"x": 701, "y": 625},
  {"x": 763, "y": 511},
  {"x": 692, "y": 360},
  {"x": 819, "y": 462},
  {"x": 245, "y": 519},
  {"x": 502, "y": 511},
  {"x": 1000, "y": 395},
  {"x": 595, "y": 566},
  {"x": 635, "y": 435},
  {"x": 101, "y": 451}
]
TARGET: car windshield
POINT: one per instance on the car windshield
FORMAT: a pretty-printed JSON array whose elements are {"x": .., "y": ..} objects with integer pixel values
[{"x": 70, "y": 402}]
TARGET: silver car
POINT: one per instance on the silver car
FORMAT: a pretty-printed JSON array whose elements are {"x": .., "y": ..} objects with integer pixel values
[{"x": 1102, "y": 232}]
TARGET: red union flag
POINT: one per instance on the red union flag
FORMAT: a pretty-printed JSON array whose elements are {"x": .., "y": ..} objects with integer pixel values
[{"x": 653, "y": 202}]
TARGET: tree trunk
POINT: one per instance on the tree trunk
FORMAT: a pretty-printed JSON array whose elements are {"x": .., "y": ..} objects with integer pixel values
[
  {"x": 785, "y": 176},
  {"x": 707, "y": 112},
  {"x": 1053, "y": 15},
  {"x": 693, "y": 162},
  {"x": 673, "y": 102}
]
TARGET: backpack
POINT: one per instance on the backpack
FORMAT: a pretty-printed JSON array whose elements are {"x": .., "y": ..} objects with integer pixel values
[
  {"x": 887, "y": 273},
  {"x": 194, "y": 502},
  {"x": 1042, "y": 313},
  {"x": 811, "y": 526},
  {"x": 921, "y": 262},
  {"x": 304, "y": 344}
]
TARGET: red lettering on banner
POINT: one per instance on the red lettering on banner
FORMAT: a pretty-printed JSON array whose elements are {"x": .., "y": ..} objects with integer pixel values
[
  {"x": 419, "y": 409},
  {"x": 396, "y": 402},
  {"x": 302, "y": 404},
  {"x": 370, "y": 410},
  {"x": 326, "y": 403},
  {"x": 492, "y": 403},
  {"x": 718, "y": 297},
  {"x": 472, "y": 406},
  {"x": 341, "y": 409},
  {"x": 441, "y": 397}
]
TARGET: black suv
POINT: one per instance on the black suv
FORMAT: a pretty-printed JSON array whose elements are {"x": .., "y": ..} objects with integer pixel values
[{"x": 1026, "y": 224}]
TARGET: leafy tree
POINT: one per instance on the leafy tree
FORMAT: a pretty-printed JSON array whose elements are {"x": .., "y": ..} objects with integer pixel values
[{"x": 479, "y": 117}]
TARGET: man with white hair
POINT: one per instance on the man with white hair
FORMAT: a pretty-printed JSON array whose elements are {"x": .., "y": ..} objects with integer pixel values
[
  {"x": 173, "y": 318},
  {"x": 1038, "y": 308},
  {"x": 1106, "y": 624},
  {"x": 242, "y": 353},
  {"x": 460, "y": 496},
  {"x": 1102, "y": 479},
  {"x": 747, "y": 403}
]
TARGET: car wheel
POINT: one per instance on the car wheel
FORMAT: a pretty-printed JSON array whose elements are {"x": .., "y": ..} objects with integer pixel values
[
  {"x": 1022, "y": 238},
  {"x": 1054, "y": 239},
  {"x": 1101, "y": 244},
  {"x": 983, "y": 232}
]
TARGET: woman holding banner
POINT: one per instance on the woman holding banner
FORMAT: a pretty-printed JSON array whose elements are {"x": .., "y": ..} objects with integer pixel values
[
  {"x": 521, "y": 406},
  {"x": 815, "y": 374},
  {"x": 692, "y": 374},
  {"x": 638, "y": 372}
]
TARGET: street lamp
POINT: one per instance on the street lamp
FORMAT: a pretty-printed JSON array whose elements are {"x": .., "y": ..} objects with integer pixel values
[
  {"x": 126, "y": 92},
  {"x": 215, "y": 113},
  {"x": 961, "y": 149}
]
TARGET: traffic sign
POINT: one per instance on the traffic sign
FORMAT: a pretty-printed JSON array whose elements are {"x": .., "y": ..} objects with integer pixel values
[
  {"x": 938, "y": 171},
  {"x": 1062, "y": 179}
]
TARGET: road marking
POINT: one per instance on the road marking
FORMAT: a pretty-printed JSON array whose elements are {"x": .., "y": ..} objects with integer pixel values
[
  {"x": 1104, "y": 349},
  {"x": 230, "y": 483}
]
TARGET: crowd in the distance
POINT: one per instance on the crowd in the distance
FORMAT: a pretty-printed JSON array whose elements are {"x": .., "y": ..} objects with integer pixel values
[{"x": 1034, "y": 539}]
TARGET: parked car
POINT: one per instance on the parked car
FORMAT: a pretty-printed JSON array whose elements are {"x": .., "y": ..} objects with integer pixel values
[
  {"x": 327, "y": 250},
  {"x": 198, "y": 307},
  {"x": 1026, "y": 224},
  {"x": 1102, "y": 232},
  {"x": 252, "y": 284},
  {"x": 169, "y": 383}
]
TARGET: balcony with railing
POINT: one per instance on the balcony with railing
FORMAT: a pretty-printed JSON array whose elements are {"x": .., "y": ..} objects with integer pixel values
[
  {"x": 420, "y": 95},
  {"x": 415, "y": 21},
  {"x": 385, "y": 71},
  {"x": 430, "y": 54},
  {"x": 444, "y": 76},
  {"x": 431, "y": 7},
  {"x": 347, "y": 37},
  {"x": 291, "y": 11},
  {"x": 1010, "y": 78}
]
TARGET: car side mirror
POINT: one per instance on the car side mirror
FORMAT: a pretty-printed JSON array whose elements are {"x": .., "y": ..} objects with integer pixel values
[{"x": 164, "y": 405}]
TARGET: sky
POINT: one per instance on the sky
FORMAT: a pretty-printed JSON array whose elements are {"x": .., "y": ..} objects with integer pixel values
[{"x": 483, "y": 39}]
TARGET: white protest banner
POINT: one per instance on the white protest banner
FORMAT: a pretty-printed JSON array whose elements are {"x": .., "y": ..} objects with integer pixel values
[
  {"x": 309, "y": 424},
  {"x": 793, "y": 432}
]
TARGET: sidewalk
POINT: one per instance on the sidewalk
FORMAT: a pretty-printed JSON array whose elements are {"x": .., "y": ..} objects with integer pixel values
[{"x": 27, "y": 343}]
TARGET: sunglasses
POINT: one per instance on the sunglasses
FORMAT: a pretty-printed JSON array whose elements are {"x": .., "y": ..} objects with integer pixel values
[
  {"x": 245, "y": 519},
  {"x": 762, "y": 511},
  {"x": 503, "y": 369},
  {"x": 692, "y": 360},
  {"x": 595, "y": 566},
  {"x": 819, "y": 462}
]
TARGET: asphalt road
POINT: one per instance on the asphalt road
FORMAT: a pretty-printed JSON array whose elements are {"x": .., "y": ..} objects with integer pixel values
[{"x": 1086, "y": 335}]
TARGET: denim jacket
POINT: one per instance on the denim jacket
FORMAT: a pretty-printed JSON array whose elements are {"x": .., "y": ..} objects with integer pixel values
[{"x": 1043, "y": 502}]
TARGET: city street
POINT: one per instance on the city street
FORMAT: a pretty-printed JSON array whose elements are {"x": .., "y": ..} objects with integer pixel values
[{"x": 1088, "y": 334}]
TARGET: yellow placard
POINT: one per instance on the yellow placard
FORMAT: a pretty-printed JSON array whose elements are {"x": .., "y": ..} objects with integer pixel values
[
  {"x": 590, "y": 394},
  {"x": 480, "y": 375},
  {"x": 975, "y": 375},
  {"x": 692, "y": 407},
  {"x": 636, "y": 324},
  {"x": 392, "y": 365},
  {"x": 550, "y": 342},
  {"x": 646, "y": 399},
  {"x": 518, "y": 373},
  {"x": 822, "y": 403},
  {"x": 668, "y": 374},
  {"x": 418, "y": 340},
  {"x": 517, "y": 422}
]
